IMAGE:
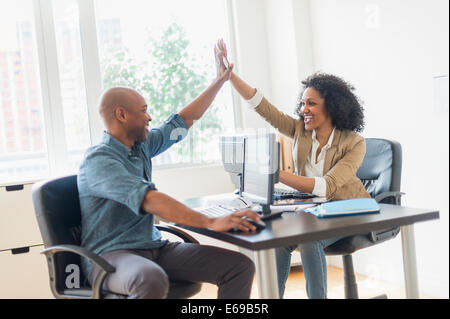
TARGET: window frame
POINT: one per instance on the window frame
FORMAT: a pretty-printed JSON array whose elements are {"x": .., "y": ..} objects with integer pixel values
[
  {"x": 53, "y": 116},
  {"x": 91, "y": 66}
]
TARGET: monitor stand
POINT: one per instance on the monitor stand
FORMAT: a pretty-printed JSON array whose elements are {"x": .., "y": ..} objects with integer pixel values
[
  {"x": 241, "y": 184},
  {"x": 266, "y": 213},
  {"x": 265, "y": 210}
]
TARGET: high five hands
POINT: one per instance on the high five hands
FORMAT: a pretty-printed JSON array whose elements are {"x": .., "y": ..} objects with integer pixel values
[{"x": 224, "y": 68}]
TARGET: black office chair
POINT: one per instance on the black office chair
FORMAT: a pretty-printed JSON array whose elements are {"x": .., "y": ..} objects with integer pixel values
[
  {"x": 380, "y": 173},
  {"x": 57, "y": 209}
]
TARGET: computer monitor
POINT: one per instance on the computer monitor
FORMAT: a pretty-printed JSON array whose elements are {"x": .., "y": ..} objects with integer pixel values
[
  {"x": 261, "y": 169},
  {"x": 232, "y": 150}
]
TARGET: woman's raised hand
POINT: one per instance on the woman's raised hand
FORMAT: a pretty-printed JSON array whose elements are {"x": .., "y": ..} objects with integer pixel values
[{"x": 223, "y": 67}]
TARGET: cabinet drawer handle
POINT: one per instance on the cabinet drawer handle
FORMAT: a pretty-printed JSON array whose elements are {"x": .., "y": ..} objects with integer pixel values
[
  {"x": 12, "y": 188},
  {"x": 21, "y": 250}
]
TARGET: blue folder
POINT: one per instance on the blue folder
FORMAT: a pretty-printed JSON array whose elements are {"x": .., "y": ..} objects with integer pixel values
[{"x": 346, "y": 207}]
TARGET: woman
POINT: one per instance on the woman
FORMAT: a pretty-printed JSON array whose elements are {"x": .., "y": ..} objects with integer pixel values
[{"x": 327, "y": 152}]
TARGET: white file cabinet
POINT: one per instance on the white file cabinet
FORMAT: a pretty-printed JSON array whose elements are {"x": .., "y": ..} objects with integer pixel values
[{"x": 24, "y": 271}]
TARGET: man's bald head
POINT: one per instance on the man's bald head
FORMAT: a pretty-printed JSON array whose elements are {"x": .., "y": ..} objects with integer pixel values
[{"x": 116, "y": 97}]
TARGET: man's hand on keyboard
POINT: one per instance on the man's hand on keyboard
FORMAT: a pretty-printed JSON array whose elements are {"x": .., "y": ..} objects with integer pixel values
[{"x": 235, "y": 220}]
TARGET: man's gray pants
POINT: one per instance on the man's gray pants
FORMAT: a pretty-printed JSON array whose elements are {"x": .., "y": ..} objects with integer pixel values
[{"x": 146, "y": 273}]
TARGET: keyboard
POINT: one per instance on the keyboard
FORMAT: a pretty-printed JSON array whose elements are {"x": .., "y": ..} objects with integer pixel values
[
  {"x": 216, "y": 211},
  {"x": 280, "y": 194},
  {"x": 221, "y": 211}
]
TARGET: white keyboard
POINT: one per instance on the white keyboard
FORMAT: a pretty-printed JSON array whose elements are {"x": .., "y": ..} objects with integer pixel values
[{"x": 216, "y": 211}]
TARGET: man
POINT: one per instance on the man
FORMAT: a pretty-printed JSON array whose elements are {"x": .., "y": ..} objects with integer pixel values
[{"x": 118, "y": 203}]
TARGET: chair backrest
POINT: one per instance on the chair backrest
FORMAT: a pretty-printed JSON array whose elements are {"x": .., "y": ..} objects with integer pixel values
[
  {"x": 57, "y": 208},
  {"x": 381, "y": 168}
]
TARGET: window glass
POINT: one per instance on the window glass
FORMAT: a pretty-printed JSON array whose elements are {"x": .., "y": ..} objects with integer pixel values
[
  {"x": 23, "y": 154},
  {"x": 71, "y": 76},
  {"x": 164, "y": 50}
]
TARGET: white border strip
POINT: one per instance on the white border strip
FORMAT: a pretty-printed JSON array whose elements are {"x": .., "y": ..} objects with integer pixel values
[{"x": 237, "y": 105}]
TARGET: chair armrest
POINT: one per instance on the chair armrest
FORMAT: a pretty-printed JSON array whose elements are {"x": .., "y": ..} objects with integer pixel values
[
  {"x": 105, "y": 267},
  {"x": 83, "y": 252},
  {"x": 385, "y": 195},
  {"x": 385, "y": 234},
  {"x": 178, "y": 232}
]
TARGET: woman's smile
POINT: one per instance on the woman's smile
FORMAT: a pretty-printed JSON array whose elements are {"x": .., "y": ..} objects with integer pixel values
[{"x": 307, "y": 119}]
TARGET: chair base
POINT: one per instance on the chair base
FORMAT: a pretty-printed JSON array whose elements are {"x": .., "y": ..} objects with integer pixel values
[{"x": 351, "y": 288}]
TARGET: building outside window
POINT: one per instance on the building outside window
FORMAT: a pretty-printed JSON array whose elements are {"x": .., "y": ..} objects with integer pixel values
[{"x": 23, "y": 153}]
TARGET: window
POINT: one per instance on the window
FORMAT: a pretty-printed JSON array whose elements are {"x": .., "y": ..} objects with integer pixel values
[
  {"x": 72, "y": 83},
  {"x": 164, "y": 50},
  {"x": 51, "y": 76},
  {"x": 23, "y": 154}
]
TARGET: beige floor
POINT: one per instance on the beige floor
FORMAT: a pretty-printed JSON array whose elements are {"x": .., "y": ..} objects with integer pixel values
[{"x": 295, "y": 287}]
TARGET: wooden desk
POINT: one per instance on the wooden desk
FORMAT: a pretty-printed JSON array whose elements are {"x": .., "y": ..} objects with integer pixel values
[{"x": 292, "y": 229}]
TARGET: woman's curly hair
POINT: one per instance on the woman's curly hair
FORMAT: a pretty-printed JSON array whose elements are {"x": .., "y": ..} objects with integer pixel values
[{"x": 341, "y": 103}]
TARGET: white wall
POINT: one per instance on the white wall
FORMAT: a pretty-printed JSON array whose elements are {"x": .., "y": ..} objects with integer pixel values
[
  {"x": 390, "y": 51},
  {"x": 250, "y": 51},
  {"x": 271, "y": 52},
  {"x": 282, "y": 55}
]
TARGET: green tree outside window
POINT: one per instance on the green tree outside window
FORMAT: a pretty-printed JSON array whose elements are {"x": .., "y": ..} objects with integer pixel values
[{"x": 172, "y": 81}]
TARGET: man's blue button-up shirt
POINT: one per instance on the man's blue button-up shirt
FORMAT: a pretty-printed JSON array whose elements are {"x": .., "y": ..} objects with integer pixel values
[{"x": 112, "y": 183}]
